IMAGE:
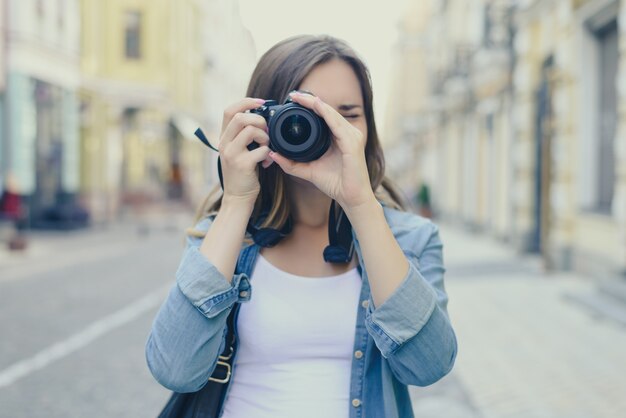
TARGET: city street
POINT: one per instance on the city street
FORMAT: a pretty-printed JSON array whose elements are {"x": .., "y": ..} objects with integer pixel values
[
  {"x": 76, "y": 313},
  {"x": 77, "y": 308},
  {"x": 505, "y": 119}
]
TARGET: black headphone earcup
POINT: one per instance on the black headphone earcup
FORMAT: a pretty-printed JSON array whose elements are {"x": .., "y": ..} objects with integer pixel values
[
  {"x": 336, "y": 254},
  {"x": 267, "y": 237}
]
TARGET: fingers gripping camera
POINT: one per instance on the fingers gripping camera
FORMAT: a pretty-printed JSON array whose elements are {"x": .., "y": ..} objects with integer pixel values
[{"x": 295, "y": 132}]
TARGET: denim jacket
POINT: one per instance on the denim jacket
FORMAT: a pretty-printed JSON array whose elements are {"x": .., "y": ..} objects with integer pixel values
[{"x": 407, "y": 340}]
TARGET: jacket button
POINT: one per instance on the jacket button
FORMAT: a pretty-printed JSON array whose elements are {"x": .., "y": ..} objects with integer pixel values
[
  {"x": 356, "y": 402},
  {"x": 358, "y": 354},
  {"x": 365, "y": 303},
  {"x": 243, "y": 293}
]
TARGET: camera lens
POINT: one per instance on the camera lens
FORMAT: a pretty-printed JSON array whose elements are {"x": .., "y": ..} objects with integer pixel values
[
  {"x": 296, "y": 129},
  {"x": 298, "y": 133}
]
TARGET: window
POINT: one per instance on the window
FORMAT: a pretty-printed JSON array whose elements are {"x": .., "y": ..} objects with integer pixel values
[
  {"x": 40, "y": 9},
  {"x": 487, "y": 24},
  {"x": 61, "y": 10},
  {"x": 599, "y": 60},
  {"x": 132, "y": 28},
  {"x": 608, "y": 55}
]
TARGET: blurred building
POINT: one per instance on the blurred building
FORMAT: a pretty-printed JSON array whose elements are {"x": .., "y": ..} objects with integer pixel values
[
  {"x": 519, "y": 125},
  {"x": 99, "y": 101},
  {"x": 147, "y": 65},
  {"x": 142, "y": 65},
  {"x": 2, "y": 57},
  {"x": 39, "y": 125},
  {"x": 405, "y": 130},
  {"x": 230, "y": 59},
  {"x": 574, "y": 91},
  {"x": 2, "y": 87}
]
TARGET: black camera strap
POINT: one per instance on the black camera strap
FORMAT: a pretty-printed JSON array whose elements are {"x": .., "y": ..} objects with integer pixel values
[{"x": 341, "y": 245}]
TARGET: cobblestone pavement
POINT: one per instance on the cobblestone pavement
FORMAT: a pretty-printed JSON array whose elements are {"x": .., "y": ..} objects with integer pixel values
[{"x": 525, "y": 350}]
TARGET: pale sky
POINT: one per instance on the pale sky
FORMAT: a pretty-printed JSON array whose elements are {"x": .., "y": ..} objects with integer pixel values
[{"x": 370, "y": 27}]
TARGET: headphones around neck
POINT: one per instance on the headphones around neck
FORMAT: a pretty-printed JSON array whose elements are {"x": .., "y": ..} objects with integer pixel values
[{"x": 341, "y": 244}]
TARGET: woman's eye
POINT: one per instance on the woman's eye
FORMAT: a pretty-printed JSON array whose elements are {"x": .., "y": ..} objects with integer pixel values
[{"x": 351, "y": 116}]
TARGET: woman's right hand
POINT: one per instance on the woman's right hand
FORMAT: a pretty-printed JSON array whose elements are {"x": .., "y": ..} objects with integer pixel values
[{"x": 239, "y": 129}]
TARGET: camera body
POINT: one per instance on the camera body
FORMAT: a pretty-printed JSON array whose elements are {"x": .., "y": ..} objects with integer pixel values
[{"x": 295, "y": 131}]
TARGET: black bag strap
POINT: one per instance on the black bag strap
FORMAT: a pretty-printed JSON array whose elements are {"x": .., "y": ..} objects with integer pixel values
[
  {"x": 221, "y": 373},
  {"x": 207, "y": 402}
]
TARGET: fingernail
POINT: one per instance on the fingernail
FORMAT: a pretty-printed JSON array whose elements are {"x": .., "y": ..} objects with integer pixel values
[{"x": 260, "y": 101}]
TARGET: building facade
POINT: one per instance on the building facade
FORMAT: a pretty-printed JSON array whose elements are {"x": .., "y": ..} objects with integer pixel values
[
  {"x": 3, "y": 139},
  {"x": 99, "y": 102},
  {"x": 230, "y": 59},
  {"x": 570, "y": 84},
  {"x": 523, "y": 130},
  {"x": 153, "y": 71},
  {"x": 139, "y": 70},
  {"x": 39, "y": 105}
]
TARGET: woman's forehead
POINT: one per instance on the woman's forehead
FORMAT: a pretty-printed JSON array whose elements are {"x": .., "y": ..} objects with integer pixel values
[{"x": 335, "y": 83}]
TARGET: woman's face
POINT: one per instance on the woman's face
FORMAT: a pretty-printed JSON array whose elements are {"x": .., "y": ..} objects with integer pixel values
[{"x": 336, "y": 84}]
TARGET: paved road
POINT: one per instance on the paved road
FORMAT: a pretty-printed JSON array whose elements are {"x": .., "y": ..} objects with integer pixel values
[{"x": 76, "y": 311}]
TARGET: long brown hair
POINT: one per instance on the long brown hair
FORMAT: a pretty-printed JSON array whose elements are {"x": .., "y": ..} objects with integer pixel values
[{"x": 281, "y": 70}]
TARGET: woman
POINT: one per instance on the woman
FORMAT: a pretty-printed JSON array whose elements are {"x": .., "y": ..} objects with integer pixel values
[{"x": 314, "y": 339}]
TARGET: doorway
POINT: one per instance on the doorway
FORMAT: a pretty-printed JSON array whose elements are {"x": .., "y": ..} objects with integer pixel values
[{"x": 544, "y": 125}]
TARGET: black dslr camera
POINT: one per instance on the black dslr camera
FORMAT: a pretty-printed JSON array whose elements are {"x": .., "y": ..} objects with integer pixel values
[{"x": 295, "y": 132}]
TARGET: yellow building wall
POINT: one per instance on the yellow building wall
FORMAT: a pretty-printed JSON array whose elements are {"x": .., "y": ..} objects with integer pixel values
[
  {"x": 166, "y": 80},
  {"x": 103, "y": 40}
]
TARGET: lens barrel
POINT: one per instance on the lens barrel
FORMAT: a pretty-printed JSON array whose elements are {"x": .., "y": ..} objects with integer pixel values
[{"x": 297, "y": 132}]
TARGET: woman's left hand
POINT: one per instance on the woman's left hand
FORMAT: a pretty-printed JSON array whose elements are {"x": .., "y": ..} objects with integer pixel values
[{"x": 341, "y": 173}]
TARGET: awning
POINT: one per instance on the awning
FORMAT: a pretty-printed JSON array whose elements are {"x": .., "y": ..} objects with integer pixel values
[{"x": 186, "y": 126}]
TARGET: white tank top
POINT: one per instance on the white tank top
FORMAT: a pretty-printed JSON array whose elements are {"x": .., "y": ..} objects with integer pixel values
[{"x": 296, "y": 337}]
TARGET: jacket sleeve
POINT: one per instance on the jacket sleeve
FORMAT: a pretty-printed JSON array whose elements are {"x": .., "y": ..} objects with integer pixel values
[
  {"x": 411, "y": 328},
  {"x": 189, "y": 330}
]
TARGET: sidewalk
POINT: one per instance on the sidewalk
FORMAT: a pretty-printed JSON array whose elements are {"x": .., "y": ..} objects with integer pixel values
[{"x": 525, "y": 350}]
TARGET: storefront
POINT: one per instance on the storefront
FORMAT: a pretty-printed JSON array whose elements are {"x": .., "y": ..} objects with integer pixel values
[{"x": 41, "y": 140}]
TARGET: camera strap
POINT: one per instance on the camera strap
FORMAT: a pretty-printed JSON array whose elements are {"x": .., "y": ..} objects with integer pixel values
[
  {"x": 341, "y": 245},
  {"x": 265, "y": 237}
]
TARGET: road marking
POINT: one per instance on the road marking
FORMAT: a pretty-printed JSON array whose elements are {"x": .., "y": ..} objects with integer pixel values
[{"x": 83, "y": 338}]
